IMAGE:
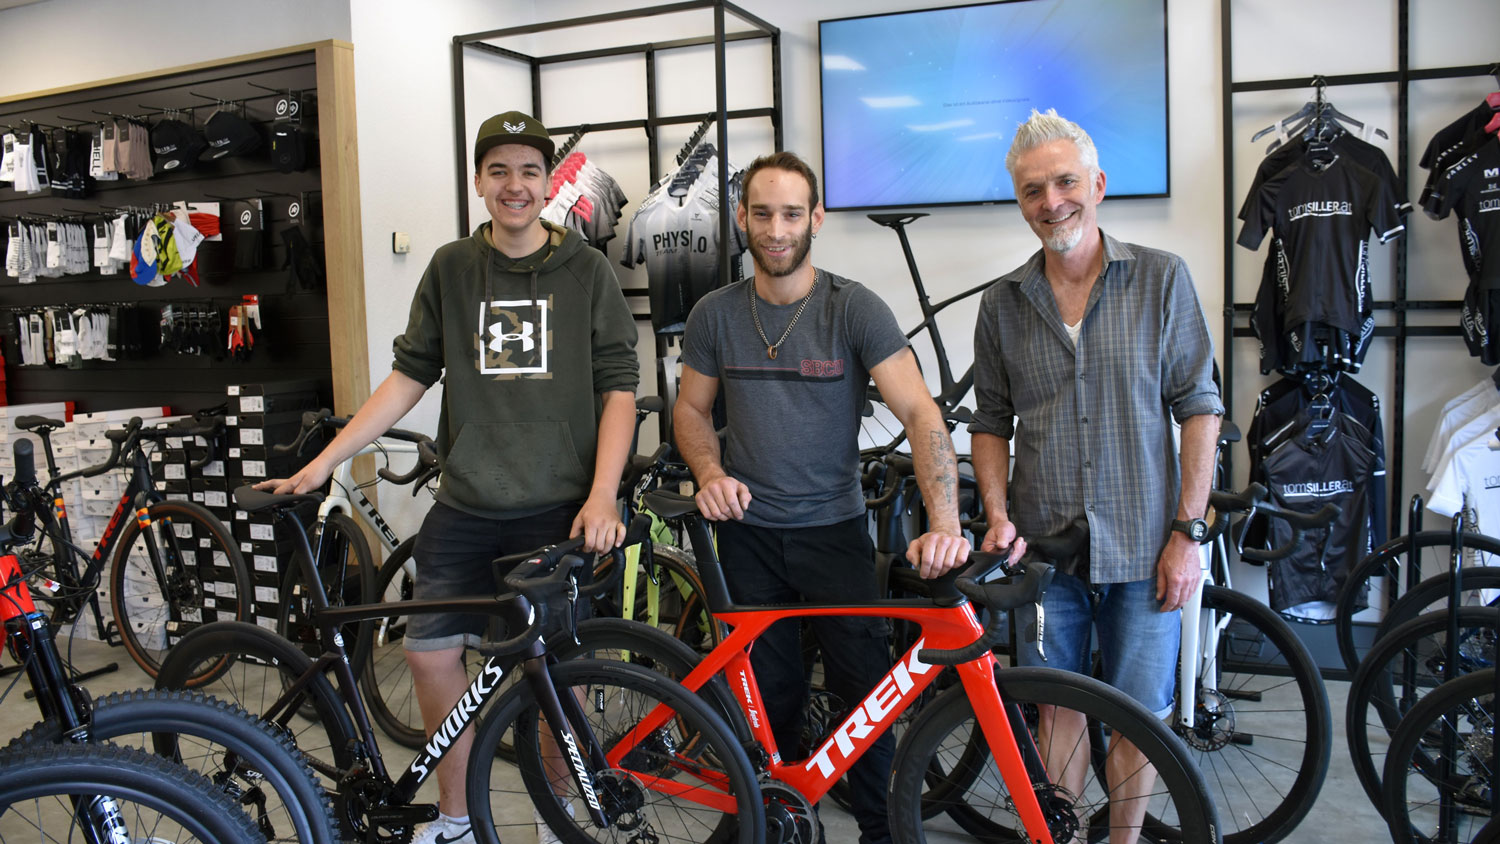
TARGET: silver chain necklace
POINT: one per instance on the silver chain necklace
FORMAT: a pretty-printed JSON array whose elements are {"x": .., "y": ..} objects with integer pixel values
[{"x": 755, "y": 314}]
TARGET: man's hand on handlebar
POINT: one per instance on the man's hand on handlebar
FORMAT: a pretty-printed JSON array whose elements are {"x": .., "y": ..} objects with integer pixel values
[
  {"x": 723, "y": 498},
  {"x": 935, "y": 552},
  {"x": 598, "y": 522},
  {"x": 1001, "y": 535},
  {"x": 309, "y": 479}
]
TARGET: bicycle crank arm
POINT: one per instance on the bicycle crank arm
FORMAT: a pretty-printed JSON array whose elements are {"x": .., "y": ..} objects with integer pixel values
[
  {"x": 1241, "y": 695},
  {"x": 402, "y": 816}
]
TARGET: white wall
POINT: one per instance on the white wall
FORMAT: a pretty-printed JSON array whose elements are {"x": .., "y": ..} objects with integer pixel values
[
  {"x": 403, "y": 88},
  {"x": 65, "y": 42}
]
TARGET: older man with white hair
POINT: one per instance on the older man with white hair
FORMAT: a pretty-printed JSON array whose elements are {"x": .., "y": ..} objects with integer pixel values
[{"x": 1083, "y": 357}]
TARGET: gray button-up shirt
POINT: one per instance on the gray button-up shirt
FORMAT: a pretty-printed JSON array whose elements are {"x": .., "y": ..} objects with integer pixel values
[{"x": 1094, "y": 439}]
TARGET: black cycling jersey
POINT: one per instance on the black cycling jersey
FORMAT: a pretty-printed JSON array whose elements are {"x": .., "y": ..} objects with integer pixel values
[
  {"x": 1283, "y": 403},
  {"x": 1325, "y": 463},
  {"x": 1365, "y": 154}
]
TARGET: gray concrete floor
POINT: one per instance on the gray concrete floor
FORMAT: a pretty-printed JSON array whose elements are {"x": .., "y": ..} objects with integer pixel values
[{"x": 1342, "y": 813}]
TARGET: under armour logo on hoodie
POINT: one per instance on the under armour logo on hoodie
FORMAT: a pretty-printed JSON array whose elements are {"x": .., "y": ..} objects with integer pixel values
[
  {"x": 513, "y": 337},
  {"x": 497, "y": 345}
]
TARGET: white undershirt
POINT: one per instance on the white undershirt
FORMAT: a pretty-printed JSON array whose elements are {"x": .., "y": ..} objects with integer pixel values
[{"x": 1074, "y": 331}]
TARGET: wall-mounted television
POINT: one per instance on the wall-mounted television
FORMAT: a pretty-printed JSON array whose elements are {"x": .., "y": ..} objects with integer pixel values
[{"x": 920, "y": 107}]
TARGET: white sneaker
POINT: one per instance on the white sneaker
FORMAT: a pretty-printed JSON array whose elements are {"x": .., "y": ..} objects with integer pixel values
[
  {"x": 445, "y": 830},
  {"x": 544, "y": 833}
]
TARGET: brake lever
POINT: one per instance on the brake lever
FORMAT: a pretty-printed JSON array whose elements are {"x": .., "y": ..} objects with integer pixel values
[{"x": 573, "y": 607}]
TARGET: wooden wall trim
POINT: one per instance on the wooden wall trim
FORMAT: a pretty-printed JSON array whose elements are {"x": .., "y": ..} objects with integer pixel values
[
  {"x": 168, "y": 71},
  {"x": 343, "y": 242}
]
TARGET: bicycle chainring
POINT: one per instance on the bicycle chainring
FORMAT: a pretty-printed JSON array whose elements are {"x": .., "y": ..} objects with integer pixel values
[
  {"x": 1213, "y": 723},
  {"x": 357, "y": 794},
  {"x": 789, "y": 817}
]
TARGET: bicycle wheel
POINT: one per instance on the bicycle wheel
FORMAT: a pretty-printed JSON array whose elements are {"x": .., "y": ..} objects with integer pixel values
[
  {"x": 945, "y": 733},
  {"x": 1450, "y": 728},
  {"x": 653, "y": 795},
  {"x": 1435, "y": 593},
  {"x": 255, "y": 663},
  {"x": 1262, "y": 730},
  {"x": 348, "y": 576},
  {"x": 1403, "y": 667},
  {"x": 256, "y": 766},
  {"x": 184, "y": 571},
  {"x": 48, "y": 792},
  {"x": 1430, "y": 550},
  {"x": 674, "y": 603}
]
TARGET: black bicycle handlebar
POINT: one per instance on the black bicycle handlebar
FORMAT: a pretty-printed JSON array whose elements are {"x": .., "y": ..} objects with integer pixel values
[
  {"x": 546, "y": 574},
  {"x": 1254, "y": 499},
  {"x": 317, "y": 420},
  {"x": 1006, "y": 594}
]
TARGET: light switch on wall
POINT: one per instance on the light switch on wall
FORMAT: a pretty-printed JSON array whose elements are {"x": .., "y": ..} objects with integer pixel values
[{"x": 400, "y": 243}]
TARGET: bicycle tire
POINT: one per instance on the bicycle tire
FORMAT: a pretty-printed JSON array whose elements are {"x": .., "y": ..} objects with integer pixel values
[
  {"x": 348, "y": 578},
  {"x": 1262, "y": 773},
  {"x": 203, "y": 734},
  {"x": 1374, "y": 711},
  {"x": 1435, "y": 593},
  {"x": 150, "y": 618},
  {"x": 649, "y": 647},
  {"x": 163, "y": 801},
  {"x": 1407, "y": 799},
  {"x": 255, "y": 660},
  {"x": 1181, "y": 806},
  {"x": 1485, "y": 550},
  {"x": 715, "y": 753}
]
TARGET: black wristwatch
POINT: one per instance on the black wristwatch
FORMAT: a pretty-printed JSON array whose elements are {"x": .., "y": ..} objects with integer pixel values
[{"x": 1196, "y": 529}]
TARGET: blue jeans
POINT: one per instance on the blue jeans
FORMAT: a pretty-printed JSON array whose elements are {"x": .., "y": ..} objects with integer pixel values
[{"x": 1138, "y": 641}]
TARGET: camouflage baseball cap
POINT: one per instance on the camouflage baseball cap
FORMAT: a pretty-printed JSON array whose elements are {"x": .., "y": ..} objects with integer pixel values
[{"x": 513, "y": 127}]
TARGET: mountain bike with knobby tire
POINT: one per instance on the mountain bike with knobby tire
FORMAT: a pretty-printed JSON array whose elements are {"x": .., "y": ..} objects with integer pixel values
[{"x": 239, "y": 758}]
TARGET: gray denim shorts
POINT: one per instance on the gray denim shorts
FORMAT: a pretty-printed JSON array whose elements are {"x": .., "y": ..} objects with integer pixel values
[{"x": 454, "y": 554}]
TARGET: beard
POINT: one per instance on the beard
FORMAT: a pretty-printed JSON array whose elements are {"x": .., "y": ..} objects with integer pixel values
[
  {"x": 787, "y": 264},
  {"x": 1063, "y": 242}
]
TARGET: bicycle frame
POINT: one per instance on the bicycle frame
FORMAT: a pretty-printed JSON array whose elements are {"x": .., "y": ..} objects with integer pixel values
[
  {"x": 362, "y": 507},
  {"x": 561, "y": 711},
  {"x": 941, "y": 627}
]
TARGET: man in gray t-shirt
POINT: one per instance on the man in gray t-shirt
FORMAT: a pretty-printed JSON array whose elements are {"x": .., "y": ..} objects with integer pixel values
[{"x": 793, "y": 349}]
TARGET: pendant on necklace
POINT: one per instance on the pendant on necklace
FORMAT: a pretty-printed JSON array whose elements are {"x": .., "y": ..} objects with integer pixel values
[{"x": 771, "y": 352}]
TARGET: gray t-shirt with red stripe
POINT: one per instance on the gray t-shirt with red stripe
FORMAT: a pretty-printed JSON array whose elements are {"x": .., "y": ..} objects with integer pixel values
[{"x": 793, "y": 422}]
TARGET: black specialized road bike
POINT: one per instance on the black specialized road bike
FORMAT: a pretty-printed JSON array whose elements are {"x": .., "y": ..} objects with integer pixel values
[{"x": 685, "y": 779}]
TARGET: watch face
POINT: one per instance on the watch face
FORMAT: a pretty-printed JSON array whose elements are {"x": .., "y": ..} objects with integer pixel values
[{"x": 1198, "y": 530}]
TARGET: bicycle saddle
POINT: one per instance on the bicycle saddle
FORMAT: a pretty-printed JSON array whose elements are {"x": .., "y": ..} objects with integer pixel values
[
  {"x": 32, "y": 423},
  {"x": 896, "y": 220},
  {"x": 252, "y": 500},
  {"x": 670, "y": 505},
  {"x": 1228, "y": 433}
]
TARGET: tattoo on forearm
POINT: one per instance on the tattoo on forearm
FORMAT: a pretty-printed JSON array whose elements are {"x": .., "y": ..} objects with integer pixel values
[{"x": 944, "y": 464}]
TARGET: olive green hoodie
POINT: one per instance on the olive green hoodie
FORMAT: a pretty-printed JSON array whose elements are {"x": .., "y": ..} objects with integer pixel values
[{"x": 521, "y": 401}]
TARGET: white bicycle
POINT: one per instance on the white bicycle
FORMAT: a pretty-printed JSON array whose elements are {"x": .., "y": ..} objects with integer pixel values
[{"x": 350, "y": 572}]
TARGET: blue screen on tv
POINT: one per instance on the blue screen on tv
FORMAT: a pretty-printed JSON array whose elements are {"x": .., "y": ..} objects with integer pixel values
[{"x": 919, "y": 108}]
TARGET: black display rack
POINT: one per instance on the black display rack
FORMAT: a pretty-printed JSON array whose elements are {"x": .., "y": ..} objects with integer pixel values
[
  {"x": 1400, "y": 331},
  {"x": 720, "y": 116}
]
